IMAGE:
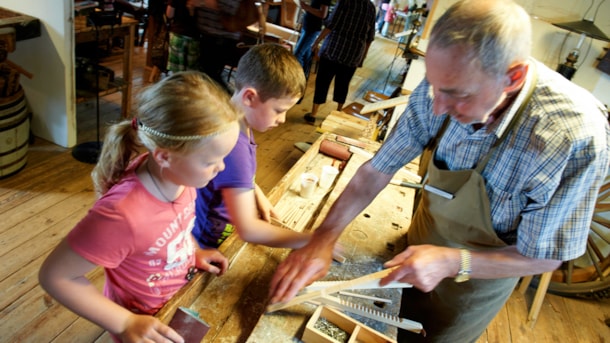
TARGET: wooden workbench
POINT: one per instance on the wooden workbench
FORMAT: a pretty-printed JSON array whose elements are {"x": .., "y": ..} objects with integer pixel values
[{"x": 235, "y": 303}]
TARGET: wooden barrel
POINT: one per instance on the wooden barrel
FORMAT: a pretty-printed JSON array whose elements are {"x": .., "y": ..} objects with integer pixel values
[{"x": 14, "y": 133}]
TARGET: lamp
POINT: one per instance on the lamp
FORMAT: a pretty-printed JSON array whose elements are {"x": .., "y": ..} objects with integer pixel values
[{"x": 586, "y": 28}]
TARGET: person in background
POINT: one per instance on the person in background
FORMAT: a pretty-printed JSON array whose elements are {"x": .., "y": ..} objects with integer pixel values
[
  {"x": 380, "y": 18},
  {"x": 139, "y": 230},
  {"x": 311, "y": 25},
  {"x": 184, "y": 46},
  {"x": 390, "y": 16},
  {"x": 347, "y": 36},
  {"x": 520, "y": 153},
  {"x": 269, "y": 80}
]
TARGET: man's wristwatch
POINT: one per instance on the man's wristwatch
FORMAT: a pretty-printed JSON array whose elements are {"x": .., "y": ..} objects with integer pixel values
[{"x": 465, "y": 270}]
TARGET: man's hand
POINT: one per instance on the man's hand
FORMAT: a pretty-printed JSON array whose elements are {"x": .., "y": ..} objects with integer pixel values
[
  {"x": 423, "y": 266},
  {"x": 299, "y": 269},
  {"x": 211, "y": 261},
  {"x": 145, "y": 328}
]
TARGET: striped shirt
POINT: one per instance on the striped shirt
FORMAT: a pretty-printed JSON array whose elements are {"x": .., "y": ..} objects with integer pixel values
[
  {"x": 542, "y": 181},
  {"x": 352, "y": 26}
]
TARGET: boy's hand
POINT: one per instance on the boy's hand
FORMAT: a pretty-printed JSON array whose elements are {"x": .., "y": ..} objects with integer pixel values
[
  {"x": 265, "y": 208},
  {"x": 211, "y": 261},
  {"x": 145, "y": 328}
]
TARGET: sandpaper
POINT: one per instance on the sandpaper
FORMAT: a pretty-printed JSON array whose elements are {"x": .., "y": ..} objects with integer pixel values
[{"x": 189, "y": 325}]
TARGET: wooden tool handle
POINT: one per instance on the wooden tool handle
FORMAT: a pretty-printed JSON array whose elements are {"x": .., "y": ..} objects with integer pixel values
[{"x": 335, "y": 150}]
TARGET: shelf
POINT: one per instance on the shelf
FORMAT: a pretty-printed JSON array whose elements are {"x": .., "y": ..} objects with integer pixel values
[{"x": 118, "y": 85}]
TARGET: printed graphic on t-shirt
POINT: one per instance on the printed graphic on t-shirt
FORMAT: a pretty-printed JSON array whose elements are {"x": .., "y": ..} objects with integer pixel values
[{"x": 172, "y": 251}]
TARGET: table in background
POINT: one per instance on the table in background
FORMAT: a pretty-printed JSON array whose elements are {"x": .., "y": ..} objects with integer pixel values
[{"x": 126, "y": 30}]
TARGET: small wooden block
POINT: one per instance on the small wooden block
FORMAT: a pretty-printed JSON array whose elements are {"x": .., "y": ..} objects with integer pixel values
[{"x": 358, "y": 331}]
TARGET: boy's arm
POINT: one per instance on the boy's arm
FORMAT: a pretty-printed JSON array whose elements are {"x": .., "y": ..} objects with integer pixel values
[
  {"x": 242, "y": 208},
  {"x": 265, "y": 209},
  {"x": 62, "y": 275}
]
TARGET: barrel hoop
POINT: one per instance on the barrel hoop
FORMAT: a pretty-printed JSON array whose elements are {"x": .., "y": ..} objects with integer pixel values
[
  {"x": 17, "y": 148},
  {"x": 19, "y": 107},
  {"x": 14, "y": 124}
]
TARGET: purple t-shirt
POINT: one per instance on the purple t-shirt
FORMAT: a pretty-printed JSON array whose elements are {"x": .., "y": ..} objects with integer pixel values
[{"x": 212, "y": 224}]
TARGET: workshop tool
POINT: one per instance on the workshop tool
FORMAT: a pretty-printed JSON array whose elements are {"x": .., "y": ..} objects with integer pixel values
[
  {"x": 320, "y": 293},
  {"x": 347, "y": 306},
  {"x": 350, "y": 284},
  {"x": 427, "y": 187},
  {"x": 335, "y": 150}
]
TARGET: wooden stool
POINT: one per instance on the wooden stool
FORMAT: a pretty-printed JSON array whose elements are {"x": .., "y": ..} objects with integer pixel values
[{"x": 545, "y": 279}]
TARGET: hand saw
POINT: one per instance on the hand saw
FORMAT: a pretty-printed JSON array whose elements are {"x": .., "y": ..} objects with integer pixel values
[
  {"x": 347, "y": 306},
  {"x": 373, "y": 278}
]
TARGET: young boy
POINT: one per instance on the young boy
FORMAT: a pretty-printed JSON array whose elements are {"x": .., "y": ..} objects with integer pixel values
[{"x": 268, "y": 82}]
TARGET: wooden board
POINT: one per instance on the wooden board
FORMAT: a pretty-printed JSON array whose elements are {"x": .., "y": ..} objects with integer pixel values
[
  {"x": 382, "y": 105},
  {"x": 370, "y": 240}
]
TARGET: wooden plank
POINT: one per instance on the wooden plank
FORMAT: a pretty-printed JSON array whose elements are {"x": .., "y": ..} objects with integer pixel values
[
  {"x": 200, "y": 281},
  {"x": 38, "y": 209},
  {"x": 382, "y": 105},
  {"x": 36, "y": 317}
]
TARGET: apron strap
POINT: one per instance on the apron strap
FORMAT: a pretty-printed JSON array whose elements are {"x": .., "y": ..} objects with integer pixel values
[{"x": 430, "y": 147}]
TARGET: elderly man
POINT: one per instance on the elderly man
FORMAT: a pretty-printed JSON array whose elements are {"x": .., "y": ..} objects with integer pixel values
[{"x": 521, "y": 151}]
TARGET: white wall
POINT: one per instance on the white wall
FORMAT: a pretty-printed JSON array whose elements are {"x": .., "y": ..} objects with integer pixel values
[{"x": 49, "y": 57}]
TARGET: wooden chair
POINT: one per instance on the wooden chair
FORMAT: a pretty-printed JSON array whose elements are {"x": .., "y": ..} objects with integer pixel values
[
  {"x": 289, "y": 15},
  {"x": 543, "y": 285}
]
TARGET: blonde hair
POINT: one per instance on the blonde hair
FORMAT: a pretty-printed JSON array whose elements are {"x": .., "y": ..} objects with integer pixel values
[
  {"x": 179, "y": 113},
  {"x": 272, "y": 70}
]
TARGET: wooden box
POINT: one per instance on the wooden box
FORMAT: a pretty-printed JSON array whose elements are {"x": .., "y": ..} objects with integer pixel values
[{"x": 357, "y": 331}]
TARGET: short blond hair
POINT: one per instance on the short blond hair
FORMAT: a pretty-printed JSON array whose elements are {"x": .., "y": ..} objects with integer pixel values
[{"x": 272, "y": 70}]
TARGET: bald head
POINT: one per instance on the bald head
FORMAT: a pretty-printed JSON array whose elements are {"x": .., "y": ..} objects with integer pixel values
[{"x": 496, "y": 33}]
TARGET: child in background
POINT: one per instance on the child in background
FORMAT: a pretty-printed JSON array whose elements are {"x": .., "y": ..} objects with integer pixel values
[
  {"x": 390, "y": 15},
  {"x": 184, "y": 47},
  {"x": 269, "y": 81},
  {"x": 139, "y": 230}
]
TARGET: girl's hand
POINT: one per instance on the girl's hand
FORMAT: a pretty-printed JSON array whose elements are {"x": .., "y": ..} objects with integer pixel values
[
  {"x": 211, "y": 260},
  {"x": 145, "y": 328}
]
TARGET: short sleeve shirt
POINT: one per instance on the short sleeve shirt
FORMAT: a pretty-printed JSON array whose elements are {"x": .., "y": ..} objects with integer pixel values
[
  {"x": 543, "y": 179},
  {"x": 144, "y": 244},
  {"x": 239, "y": 172},
  {"x": 352, "y": 26},
  {"x": 311, "y": 23}
]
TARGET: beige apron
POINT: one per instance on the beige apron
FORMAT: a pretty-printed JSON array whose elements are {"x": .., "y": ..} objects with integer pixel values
[{"x": 456, "y": 312}]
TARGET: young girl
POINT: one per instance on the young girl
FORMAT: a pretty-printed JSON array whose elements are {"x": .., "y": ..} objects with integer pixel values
[{"x": 139, "y": 230}]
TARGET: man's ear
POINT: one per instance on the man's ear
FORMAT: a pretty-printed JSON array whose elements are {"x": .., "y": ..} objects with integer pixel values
[{"x": 515, "y": 77}]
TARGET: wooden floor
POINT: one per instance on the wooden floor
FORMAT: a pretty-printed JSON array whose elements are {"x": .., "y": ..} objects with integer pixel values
[{"x": 40, "y": 204}]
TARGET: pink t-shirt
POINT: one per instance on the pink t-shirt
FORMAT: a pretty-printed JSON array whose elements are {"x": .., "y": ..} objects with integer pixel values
[{"x": 144, "y": 244}]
